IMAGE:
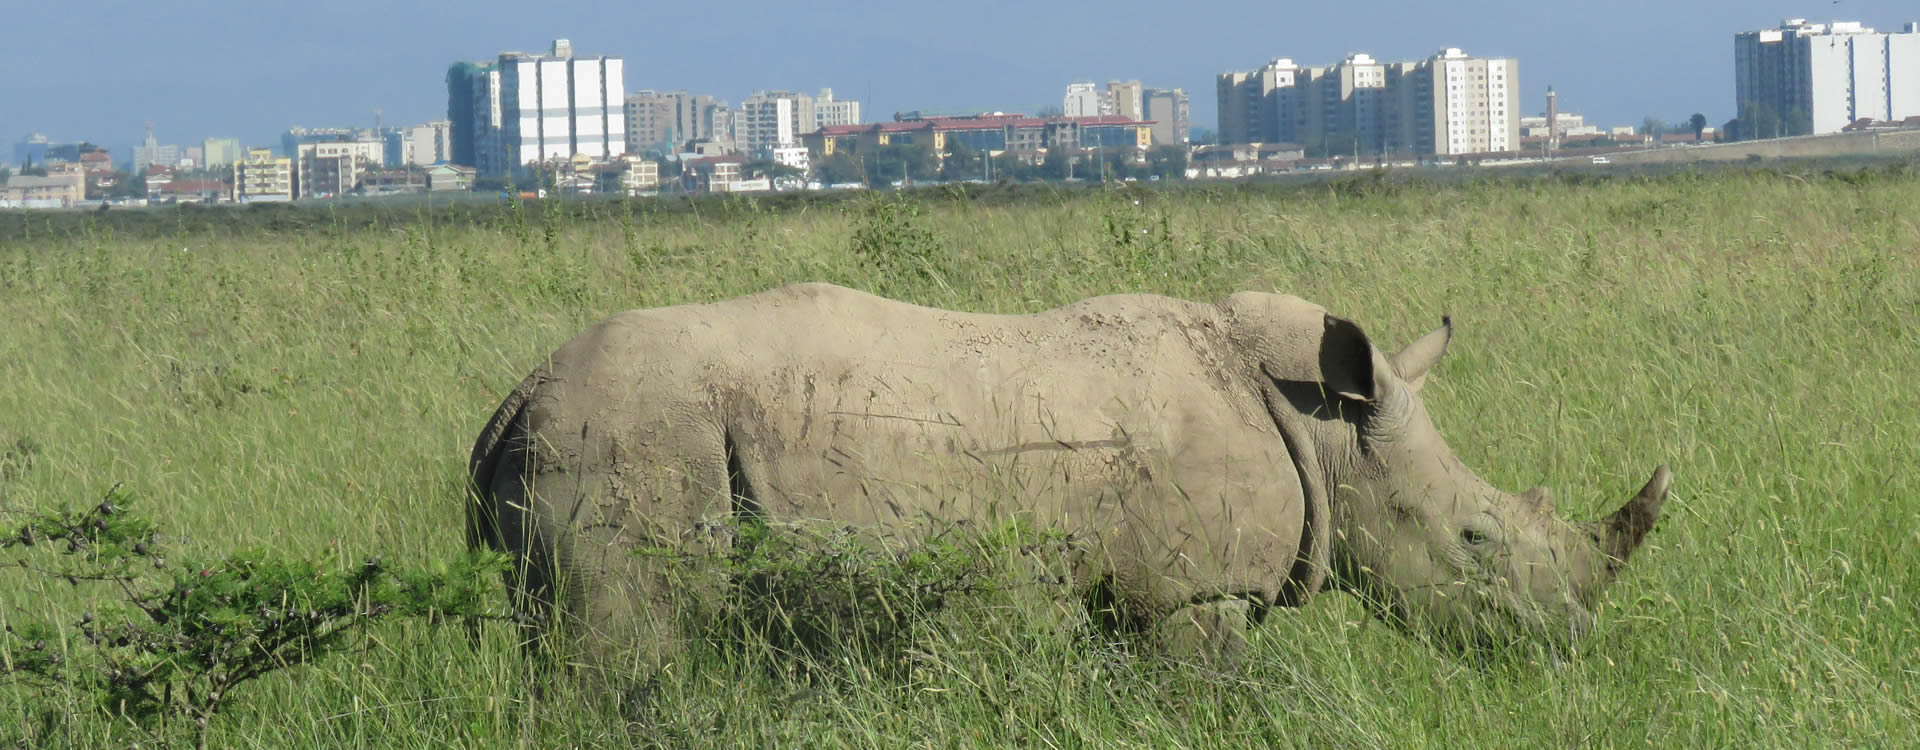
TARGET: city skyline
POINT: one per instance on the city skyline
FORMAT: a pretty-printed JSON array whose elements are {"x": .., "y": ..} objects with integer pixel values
[{"x": 1622, "y": 66}]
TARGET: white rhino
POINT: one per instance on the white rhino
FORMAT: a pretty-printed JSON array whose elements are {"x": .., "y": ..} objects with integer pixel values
[{"x": 1229, "y": 457}]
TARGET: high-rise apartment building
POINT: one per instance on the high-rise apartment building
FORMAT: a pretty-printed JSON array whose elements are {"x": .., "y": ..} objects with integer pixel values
[
  {"x": 1167, "y": 110},
  {"x": 151, "y": 152},
  {"x": 773, "y": 119},
  {"x": 1124, "y": 98},
  {"x": 665, "y": 121},
  {"x": 828, "y": 111},
  {"x": 1805, "y": 78},
  {"x": 1082, "y": 100},
  {"x": 473, "y": 108},
  {"x": 1447, "y": 104},
  {"x": 221, "y": 152},
  {"x": 524, "y": 109},
  {"x": 556, "y": 105}
]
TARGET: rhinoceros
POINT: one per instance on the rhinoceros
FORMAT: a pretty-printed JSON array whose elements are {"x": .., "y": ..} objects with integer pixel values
[{"x": 1229, "y": 457}]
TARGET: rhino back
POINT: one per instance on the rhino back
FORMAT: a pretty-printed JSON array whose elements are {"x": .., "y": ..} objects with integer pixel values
[{"x": 1128, "y": 416}]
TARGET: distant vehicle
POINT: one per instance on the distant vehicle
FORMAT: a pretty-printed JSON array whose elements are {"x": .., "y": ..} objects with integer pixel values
[{"x": 1602, "y": 160}]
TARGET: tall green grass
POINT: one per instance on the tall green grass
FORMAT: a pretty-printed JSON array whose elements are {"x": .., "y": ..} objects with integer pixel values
[{"x": 301, "y": 390}]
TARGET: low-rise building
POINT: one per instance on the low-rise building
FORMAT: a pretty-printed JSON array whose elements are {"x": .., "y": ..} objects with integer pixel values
[
  {"x": 443, "y": 177},
  {"x": 793, "y": 156},
  {"x": 630, "y": 176},
  {"x": 1242, "y": 159},
  {"x": 64, "y": 186},
  {"x": 408, "y": 179},
  {"x": 989, "y": 133},
  {"x": 716, "y": 174}
]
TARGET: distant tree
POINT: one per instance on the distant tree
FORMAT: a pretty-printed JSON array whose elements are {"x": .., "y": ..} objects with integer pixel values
[
  {"x": 125, "y": 185},
  {"x": 1699, "y": 124},
  {"x": 757, "y": 168},
  {"x": 1058, "y": 165},
  {"x": 840, "y": 168},
  {"x": 1653, "y": 127},
  {"x": 896, "y": 161},
  {"x": 33, "y": 171},
  {"x": 1169, "y": 162},
  {"x": 1204, "y": 137},
  {"x": 5, "y": 172},
  {"x": 960, "y": 163},
  {"x": 1729, "y": 131},
  {"x": 1050, "y": 112}
]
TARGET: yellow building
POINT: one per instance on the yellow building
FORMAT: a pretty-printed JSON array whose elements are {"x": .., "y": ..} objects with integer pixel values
[{"x": 263, "y": 177}]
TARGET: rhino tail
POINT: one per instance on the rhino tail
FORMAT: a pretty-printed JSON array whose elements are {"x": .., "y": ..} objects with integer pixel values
[{"x": 484, "y": 463}]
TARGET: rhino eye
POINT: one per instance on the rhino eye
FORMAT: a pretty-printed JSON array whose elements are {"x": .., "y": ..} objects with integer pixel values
[{"x": 1473, "y": 537}]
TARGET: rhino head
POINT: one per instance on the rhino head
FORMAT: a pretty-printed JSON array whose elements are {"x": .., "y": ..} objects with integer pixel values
[
  {"x": 1401, "y": 522},
  {"x": 1435, "y": 549}
]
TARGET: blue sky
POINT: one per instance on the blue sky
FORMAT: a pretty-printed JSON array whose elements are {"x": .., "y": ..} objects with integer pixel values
[{"x": 96, "y": 70}]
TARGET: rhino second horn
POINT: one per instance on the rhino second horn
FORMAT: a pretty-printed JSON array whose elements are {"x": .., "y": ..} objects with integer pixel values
[{"x": 1622, "y": 532}]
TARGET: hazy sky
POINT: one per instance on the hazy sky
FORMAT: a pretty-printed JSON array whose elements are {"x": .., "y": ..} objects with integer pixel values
[{"x": 95, "y": 71}]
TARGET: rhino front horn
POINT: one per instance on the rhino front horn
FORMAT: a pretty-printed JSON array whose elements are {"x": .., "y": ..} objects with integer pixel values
[{"x": 1622, "y": 532}]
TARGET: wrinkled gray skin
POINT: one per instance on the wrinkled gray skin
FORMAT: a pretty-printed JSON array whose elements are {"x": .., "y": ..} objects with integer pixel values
[{"x": 1227, "y": 457}]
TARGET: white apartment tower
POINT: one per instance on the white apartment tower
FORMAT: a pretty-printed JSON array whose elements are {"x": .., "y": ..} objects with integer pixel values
[
  {"x": 1807, "y": 78},
  {"x": 773, "y": 119},
  {"x": 556, "y": 105},
  {"x": 1083, "y": 100},
  {"x": 830, "y": 111},
  {"x": 1447, "y": 104}
]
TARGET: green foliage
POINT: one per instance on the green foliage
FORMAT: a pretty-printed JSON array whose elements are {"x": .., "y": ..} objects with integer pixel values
[
  {"x": 171, "y": 642},
  {"x": 818, "y": 594},
  {"x": 1749, "y": 324},
  {"x": 891, "y": 239}
]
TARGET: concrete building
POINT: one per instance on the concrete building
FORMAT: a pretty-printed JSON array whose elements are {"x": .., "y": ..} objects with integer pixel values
[
  {"x": 443, "y": 177},
  {"x": 64, "y": 186},
  {"x": 773, "y": 119},
  {"x": 1447, "y": 104},
  {"x": 665, "y": 121},
  {"x": 1028, "y": 137},
  {"x": 795, "y": 156},
  {"x": 473, "y": 114},
  {"x": 1126, "y": 99},
  {"x": 419, "y": 145},
  {"x": 151, "y": 152},
  {"x": 332, "y": 169},
  {"x": 1568, "y": 123},
  {"x": 522, "y": 109},
  {"x": 830, "y": 111},
  {"x": 1082, "y": 100},
  {"x": 263, "y": 177},
  {"x": 1167, "y": 110},
  {"x": 557, "y": 105},
  {"x": 1808, "y": 78},
  {"x": 716, "y": 174}
]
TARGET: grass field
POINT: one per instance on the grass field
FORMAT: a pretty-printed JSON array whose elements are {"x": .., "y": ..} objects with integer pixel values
[{"x": 1756, "y": 330}]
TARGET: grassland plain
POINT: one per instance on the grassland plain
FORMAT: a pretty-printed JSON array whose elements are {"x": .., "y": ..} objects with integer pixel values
[{"x": 1756, "y": 330}]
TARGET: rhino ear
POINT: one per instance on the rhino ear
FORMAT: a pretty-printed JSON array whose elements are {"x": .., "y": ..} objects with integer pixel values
[
  {"x": 1347, "y": 362},
  {"x": 1413, "y": 362}
]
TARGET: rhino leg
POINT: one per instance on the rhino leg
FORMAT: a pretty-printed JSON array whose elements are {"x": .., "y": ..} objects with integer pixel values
[{"x": 1211, "y": 633}]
